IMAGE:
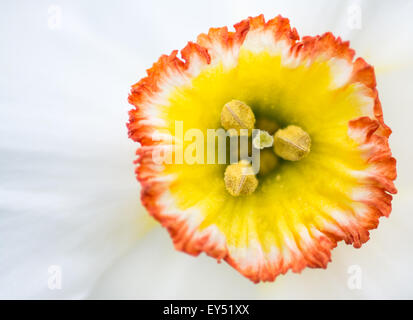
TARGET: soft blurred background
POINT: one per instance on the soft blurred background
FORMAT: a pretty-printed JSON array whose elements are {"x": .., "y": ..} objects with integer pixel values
[{"x": 68, "y": 195}]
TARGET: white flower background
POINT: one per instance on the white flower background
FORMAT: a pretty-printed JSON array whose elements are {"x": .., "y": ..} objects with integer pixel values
[{"x": 68, "y": 194}]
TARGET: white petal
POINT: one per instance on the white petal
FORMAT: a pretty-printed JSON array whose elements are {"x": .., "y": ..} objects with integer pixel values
[
  {"x": 68, "y": 195},
  {"x": 154, "y": 270}
]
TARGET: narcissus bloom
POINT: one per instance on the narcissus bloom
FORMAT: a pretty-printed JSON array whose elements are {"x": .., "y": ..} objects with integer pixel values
[{"x": 300, "y": 209}]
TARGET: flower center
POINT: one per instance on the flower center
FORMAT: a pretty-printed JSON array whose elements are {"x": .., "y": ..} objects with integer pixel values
[{"x": 291, "y": 143}]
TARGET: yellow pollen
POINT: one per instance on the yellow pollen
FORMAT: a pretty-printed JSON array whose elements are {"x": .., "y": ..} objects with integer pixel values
[
  {"x": 240, "y": 179},
  {"x": 292, "y": 143},
  {"x": 237, "y": 115}
]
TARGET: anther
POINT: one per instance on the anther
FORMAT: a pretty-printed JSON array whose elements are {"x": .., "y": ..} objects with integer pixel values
[
  {"x": 237, "y": 115},
  {"x": 292, "y": 143},
  {"x": 240, "y": 179}
]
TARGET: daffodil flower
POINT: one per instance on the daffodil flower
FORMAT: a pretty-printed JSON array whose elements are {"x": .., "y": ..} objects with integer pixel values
[
  {"x": 294, "y": 215},
  {"x": 71, "y": 221}
]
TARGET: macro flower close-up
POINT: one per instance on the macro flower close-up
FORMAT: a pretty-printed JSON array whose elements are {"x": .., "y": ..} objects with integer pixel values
[
  {"x": 300, "y": 208},
  {"x": 206, "y": 150}
]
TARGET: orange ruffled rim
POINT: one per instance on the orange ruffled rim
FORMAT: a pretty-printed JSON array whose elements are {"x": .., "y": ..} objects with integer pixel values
[{"x": 370, "y": 133}]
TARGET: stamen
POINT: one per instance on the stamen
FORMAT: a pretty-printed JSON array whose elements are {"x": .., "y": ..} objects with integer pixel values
[
  {"x": 240, "y": 179},
  {"x": 292, "y": 143},
  {"x": 237, "y": 115}
]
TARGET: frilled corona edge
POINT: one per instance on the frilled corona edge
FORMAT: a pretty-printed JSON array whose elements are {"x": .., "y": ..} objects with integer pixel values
[{"x": 305, "y": 244}]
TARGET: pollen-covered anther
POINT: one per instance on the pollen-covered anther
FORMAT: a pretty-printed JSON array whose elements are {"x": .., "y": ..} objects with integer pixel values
[
  {"x": 292, "y": 143},
  {"x": 240, "y": 179},
  {"x": 237, "y": 115}
]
